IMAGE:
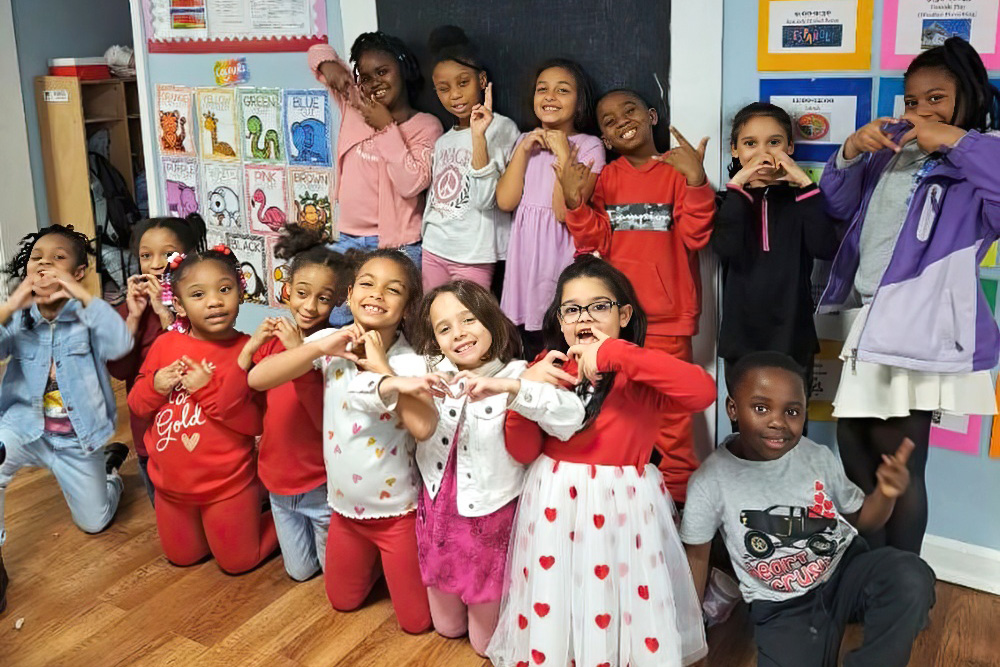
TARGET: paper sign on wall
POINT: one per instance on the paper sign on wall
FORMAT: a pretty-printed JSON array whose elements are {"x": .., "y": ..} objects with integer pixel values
[
  {"x": 218, "y": 123},
  {"x": 824, "y": 111},
  {"x": 890, "y": 96},
  {"x": 260, "y": 124},
  {"x": 307, "y": 127},
  {"x": 959, "y": 433},
  {"x": 309, "y": 196},
  {"x": 251, "y": 251},
  {"x": 266, "y": 198},
  {"x": 827, "y": 366},
  {"x": 277, "y": 276},
  {"x": 174, "y": 129},
  {"x": 222, "y": 205},
  {"x": 180, "y": 186},
  {"x": 814, "y": 34},
  {"x": 910, "y": 27}
]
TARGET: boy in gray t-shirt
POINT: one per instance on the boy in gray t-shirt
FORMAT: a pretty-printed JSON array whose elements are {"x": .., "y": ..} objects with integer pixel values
[{"x": 790, "y": 520}]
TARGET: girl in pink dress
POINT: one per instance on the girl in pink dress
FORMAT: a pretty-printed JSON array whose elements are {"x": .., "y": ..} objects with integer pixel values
[{"x": 540, "y": 246}]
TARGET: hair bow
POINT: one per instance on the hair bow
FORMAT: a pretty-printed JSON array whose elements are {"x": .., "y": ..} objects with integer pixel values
[
  {"x": 223, "y": 248},
  {"x": 174, "y": 260}
]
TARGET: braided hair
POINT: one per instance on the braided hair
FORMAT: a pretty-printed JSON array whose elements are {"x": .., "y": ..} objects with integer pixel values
[
  {"x": 222, "y": 255},
  {"x": 409, "y": 68},
  {"x": 308, "y": 247},
  {"x": 449, "y": 42},
  {"x": 190, "y": 231},
  {"x": 977, "y": 103}
]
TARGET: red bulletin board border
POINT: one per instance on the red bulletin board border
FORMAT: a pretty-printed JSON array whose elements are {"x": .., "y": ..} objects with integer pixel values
[{"x": 230, "y": 45}]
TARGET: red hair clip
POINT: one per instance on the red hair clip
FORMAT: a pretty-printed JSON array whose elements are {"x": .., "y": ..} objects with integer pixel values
[
  {"x": 175, "y": 260},
  {"x": 223, "y": 248}
]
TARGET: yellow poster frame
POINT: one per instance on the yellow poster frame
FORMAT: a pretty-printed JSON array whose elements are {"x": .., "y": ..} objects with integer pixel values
[{"x": 860, "y": 59}]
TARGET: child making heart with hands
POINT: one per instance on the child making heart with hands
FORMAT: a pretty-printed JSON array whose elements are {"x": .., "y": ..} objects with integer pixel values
[{"x": 203, "y": 420}]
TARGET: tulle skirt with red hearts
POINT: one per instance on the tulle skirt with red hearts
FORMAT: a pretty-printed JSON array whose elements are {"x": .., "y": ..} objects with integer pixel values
[{"x": 597, "y": 573}]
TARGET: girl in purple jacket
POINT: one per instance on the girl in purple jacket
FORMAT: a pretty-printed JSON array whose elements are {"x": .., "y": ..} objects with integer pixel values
[{"x": 922, "y": 194}]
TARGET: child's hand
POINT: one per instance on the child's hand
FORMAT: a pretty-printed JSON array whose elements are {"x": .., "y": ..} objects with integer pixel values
[
  {"x": 535, "y": 138},
  {"x": 168, "y": 377},
  {"x": 287, "y": 333},
  {"x": 793, "y": 172},
  {"x": 375, "y": 113},
  {"x": 482, "y": 114},
  {"x": 154, "y": 290},
  {"x": 893, "y": 475},
  {"x": 371, "y": 355},
  {"x": 478, "y": 387},
  {"x": 336, "y": 77},
  {"x": 931, "y": 136},
  {"x": 760, "y": 166},
  {"x": 21, "y": 297},
  {"x": 136, "y": 299},
  {"x": 686, "y": 159},
  {"x": 196, "y": 375},
  {"x": 574, "y": 177},
  {"x": 558, "y": 143},
  {"x": 420, "y": 386},
  {"x": 546, "y": 370},
  {"x": 68, "y": 287},
  {"x": 870, "y": 138},
  {"x": 586, "y": 357},
  {"x": 339, "y": 344}
]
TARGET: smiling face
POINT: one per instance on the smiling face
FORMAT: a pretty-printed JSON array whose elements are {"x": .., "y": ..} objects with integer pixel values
[
  {"x": 459, "y": 88},
  {"x": 930, "y": 94},
  {"x": 209, "y": 296},
  {"x": 603, "y": 313},
  {"x": 760, "y": 134},
  {"x": 555, "y": 98},
  {"x": 626, "y": 124},
  {"x": 461, "y": 336},
  {"x": 769, "y": 404},
  {"x": 380, "y": 79},
  {"x": 52, "y": 251},
  {"x": 379, "y": 294},
  {"x": 154, "y": 246},
  {"x": 311, "y": 297}
]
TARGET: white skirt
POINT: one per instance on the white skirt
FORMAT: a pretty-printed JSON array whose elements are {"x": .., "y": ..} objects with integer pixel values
[
  {"x": 597, "y": 573},
  {"x": 875, "y": 390}
]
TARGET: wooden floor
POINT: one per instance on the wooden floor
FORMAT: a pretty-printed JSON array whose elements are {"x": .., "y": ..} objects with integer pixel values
[{"x": 112, "y": 599}]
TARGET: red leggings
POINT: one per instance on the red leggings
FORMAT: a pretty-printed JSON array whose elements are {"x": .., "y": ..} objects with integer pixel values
[
  {"x": 352, "y": 551},
  {"x": 232, "y": 530},
  {"x": 676, "y": 441}
]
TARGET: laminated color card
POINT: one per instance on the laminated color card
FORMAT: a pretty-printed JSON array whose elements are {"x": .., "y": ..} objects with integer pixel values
[
  {"x": 959, "y": 433},
  {"x": 174, "y": 130},
  {"x": 309, "y": 197},
  {"x": 260, "y": 124},
  {"x": 220, "y": 134},
  {"x": 307, "y": 127},
  {"x": 222, "y": 205},
  {"x": 180, "y": 186},
  {"x": 277, "y": 276},
  {"x": 251, "y": 251},
  {"x": 266, "y": 198}
]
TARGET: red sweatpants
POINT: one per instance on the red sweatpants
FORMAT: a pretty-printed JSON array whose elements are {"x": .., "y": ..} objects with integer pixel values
[
  {"x": 676, "y": 441},
  {"x": 232, "y": 530},
  {"x": 353, "y": 547}
]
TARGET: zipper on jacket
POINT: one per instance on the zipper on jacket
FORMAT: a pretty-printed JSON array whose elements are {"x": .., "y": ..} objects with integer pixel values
[
  {"x": 854, "y": 358},
  {"x": 764, "y": 238}
]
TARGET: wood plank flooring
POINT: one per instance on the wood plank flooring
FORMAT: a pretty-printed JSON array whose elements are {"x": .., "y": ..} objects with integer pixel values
[{"x": 112, "y": 599}]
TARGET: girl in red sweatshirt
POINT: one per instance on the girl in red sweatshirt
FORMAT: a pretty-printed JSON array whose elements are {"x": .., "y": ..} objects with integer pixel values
[
  {"x": 203, "y": 420},
  {"x": 597, "y": 572}
]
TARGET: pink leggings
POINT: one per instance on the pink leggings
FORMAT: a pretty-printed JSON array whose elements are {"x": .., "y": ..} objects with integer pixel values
[
  {"x": 453, "y": 618},
  {"x": 438, "y": 271}
]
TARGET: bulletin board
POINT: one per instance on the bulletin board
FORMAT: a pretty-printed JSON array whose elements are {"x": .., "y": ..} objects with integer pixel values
[{"x": 814, "y": 35}]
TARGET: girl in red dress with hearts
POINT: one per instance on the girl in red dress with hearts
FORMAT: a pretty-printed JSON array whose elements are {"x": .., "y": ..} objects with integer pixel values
[{"x": 597, "y": 573}]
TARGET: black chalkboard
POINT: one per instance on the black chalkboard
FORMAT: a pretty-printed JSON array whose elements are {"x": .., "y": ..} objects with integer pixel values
[{"x": 621, "y": 43}]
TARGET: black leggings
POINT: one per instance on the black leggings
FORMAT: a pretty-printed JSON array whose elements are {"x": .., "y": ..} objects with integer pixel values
[{"x": 862, "y": 442}]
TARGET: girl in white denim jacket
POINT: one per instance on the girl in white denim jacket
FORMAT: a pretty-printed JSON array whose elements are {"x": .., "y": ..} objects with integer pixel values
[
  {"x": 57, "y": 408},
  {"x": 471, "y": 484}
]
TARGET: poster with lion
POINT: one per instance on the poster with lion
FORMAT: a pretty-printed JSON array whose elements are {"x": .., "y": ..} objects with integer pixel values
[
  {"x": 277, "y": 276},
  {"x": 222, "y": 204},
  {"x": 174, "y": 131},
  {"x": 309, "y": 198},
  {"x": 219, "y": 136},
  {"x": 260, "y": 125},
  {"x": 251, "y": 251}
]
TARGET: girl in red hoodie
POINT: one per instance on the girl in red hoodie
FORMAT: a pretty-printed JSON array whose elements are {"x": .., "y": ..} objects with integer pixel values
[
  {"x": 203, "y": 420},
  {"x": 597, "y": 572}
]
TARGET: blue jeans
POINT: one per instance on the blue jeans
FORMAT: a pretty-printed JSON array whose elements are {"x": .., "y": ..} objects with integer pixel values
[
  {"x": 341, "y": 315},
  {"x": 91, "y": 493},
  {"x": 302, "y": 522}
]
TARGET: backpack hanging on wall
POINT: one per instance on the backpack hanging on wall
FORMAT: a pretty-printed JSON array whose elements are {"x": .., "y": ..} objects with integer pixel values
[{"x": 115, "y": 215}]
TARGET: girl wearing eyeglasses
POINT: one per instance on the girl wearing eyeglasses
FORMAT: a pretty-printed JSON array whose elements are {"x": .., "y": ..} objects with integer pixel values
[{"x": 597, "y": 573}]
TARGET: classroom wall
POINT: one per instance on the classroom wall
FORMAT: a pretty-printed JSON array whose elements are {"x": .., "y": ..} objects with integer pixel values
[
  {"x": 47, "y": 29},
  {"x": 964, "y": 490}
]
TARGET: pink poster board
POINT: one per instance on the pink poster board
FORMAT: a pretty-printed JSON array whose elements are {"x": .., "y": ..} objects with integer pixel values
[
  {"x": 959, "y": 433},
  {"x": 905, "y": 33}
]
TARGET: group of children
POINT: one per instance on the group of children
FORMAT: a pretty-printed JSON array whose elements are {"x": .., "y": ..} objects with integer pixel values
[{"x": 515, "y": 502}]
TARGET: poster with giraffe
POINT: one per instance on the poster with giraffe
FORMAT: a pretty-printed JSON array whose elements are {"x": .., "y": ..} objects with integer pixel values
[
  {"x": 307, "y": 127},
  {"x": 309, "y": 198},
  {"x": 277, "y": 275},
  {"x": 180, "y": 186},
  {"x": 266, "y": 198},
  {"x": 219, "y": 137},
  {"x": 174, "y": 129},
  {"x": 260, "y": 124},
  {"x": 251, "y": 251},
  {"x": 222, "y": 204}
]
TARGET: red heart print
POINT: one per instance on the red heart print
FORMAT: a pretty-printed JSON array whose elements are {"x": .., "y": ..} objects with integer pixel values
[
  {"x": 593, "y": 471},
  {"x": 356, "y": 428},
  {"x": 818, "y": 498},
  {"x": 550, "y": 514},
  {"x": 601, "y": 571},
  {"x": 522, "y": 621},
  {"x": 541, "y": 609},
  {"x": 384, "y": 417},
  {"x": 537, "y": 656},
  {"x": 383, "y": 495},
  {"x": 393, "y": 451},
  {"x": 572, "y": 536},
  {"x": 555, "y": 466},
  {"x": 329, "y": 434},
  {"x": 525, "y": 573},
  {"x": 638, "y": 541},
  {"x": 603, "y": 621},
  {"x": 604, "y": 664},
  {"x": 828, "y": 505},
  {"x": 819, "y": 485},
  {"x": 547, "y": 561},
  {"x": 572, "y": 493},
  {"x": 644, "y": 592},
  {"x": 652, "y": 644},
  {"x": 522, "y": 663},
  {"x": 599, "y": 521}
]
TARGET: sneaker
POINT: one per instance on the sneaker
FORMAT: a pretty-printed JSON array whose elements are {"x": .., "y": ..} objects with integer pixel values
[{"x": 114, "y": 456}]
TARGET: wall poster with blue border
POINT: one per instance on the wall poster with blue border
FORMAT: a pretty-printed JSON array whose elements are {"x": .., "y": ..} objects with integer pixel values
[
  {"x": 890, "y": 96},
  {"x": 824, "y": 111},
  {"x": 307, "y": 127}
]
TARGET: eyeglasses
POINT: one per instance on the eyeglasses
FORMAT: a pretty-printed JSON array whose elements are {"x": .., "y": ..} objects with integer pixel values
[{"x": 599, "y": 310}]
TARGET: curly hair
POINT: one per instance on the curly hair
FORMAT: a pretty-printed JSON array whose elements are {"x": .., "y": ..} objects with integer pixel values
[
  {"x": 228, "y": 260},
  {"x": 309, "y": 247},
  {"x": 190, "y": 231},
  {"x": 484, "y": 307},
  {"x": 83, "y": 248},
  {"x": 409, "y": 67},
  {"x": 414, "y": 283}
]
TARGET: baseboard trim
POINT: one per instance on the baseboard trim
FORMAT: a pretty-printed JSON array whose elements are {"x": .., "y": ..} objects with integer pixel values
[{"x": 963, "y": 564}]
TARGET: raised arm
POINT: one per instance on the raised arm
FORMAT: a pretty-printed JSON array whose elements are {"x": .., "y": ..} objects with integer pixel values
[
  {"x": 679, "y": 386},
  {"x": 290, "y": 364},
  {"x": 408, "y": 158}
]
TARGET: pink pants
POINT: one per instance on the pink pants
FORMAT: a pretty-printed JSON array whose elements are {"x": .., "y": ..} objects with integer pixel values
[
  {"x": 438, "y": 271},
  {"x": 452, "y": 618}
]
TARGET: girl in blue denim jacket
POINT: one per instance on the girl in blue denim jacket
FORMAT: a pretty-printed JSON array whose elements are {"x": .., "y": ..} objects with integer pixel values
[
  {"x": 57, "y": 408},
  {"x": 922, "y": 195}
]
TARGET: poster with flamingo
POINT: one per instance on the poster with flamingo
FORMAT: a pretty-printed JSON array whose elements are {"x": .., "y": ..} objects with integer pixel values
[
  {"x": 307, "y": 127},
  {"x": 222, "y": 204},
  {"x": 260, "y": 125},
  {"x": 219, "y": 136},
  {"x": 277, "y": 276},
  {"x": 174, "y": 128},
  {"x": 267, "y": 208},
  {"x": 309, "y": 198},
  {"x": 251, "y": 251},
  {"x": 180, "y": 186}
]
